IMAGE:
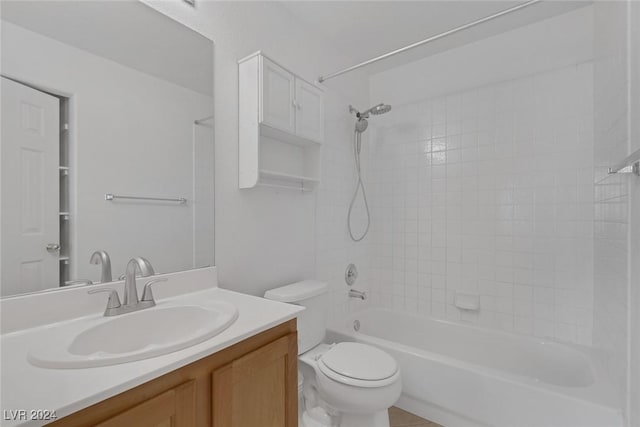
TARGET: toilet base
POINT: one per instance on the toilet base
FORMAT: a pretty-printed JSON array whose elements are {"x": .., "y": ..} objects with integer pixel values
[{"x": 377, "y": 419}]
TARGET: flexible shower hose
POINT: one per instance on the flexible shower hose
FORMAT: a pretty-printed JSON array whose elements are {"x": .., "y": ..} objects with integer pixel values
[{"x": 359, "y": 185}]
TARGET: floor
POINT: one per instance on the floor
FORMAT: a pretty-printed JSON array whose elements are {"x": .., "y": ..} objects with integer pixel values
[{"x": 400, "y": 418}]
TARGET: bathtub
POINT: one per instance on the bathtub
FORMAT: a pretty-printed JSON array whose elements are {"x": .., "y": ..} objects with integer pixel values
[{"x": 465, "y": 376}]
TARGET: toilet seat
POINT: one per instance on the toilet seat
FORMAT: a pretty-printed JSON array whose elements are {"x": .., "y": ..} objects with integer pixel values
[{"x": 358, "y": 365}]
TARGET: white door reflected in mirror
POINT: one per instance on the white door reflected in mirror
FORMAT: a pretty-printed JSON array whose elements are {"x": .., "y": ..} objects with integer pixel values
[{"x": 30, "y": 188}]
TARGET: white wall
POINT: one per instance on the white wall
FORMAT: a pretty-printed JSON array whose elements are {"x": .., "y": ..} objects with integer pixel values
[
  {"x": 483, "y": 181},
  {"x": 526, "y": 50},
  {"x": 203, "y": 196},
  {"x": 132, "y": 133},
  {"x": 611, "y": 192},
  {"x": 617, "y": 204},
  {"x": 634, "y": 249},
  {"x": 266, "y": 237}
]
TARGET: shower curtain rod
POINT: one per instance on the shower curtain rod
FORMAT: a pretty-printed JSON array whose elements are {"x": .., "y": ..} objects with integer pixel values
[{"x": 428, "y": 40}]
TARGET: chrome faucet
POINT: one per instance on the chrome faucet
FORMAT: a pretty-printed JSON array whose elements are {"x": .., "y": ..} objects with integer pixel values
[
  {"x": 102, "y": 257},
  {"x": 357, "y": 294},
  {"x": 130, "y": 290},
  {"x": 130, "y": 300}
]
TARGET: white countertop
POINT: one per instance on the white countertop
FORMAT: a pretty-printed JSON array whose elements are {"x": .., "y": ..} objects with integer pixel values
[{"x": 27, "y": 387}]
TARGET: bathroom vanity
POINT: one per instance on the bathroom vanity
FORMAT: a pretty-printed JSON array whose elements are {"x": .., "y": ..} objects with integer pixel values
[
  {"x": 243, "y": 375},
  {"x": 248, "y": 384}
]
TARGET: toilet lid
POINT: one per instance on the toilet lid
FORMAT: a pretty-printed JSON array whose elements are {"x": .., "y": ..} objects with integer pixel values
[{"x": 359, "y": 361}]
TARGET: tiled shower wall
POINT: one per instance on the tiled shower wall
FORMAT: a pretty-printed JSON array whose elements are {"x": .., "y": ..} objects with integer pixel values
[
  {"x": 634, "y": 214},
  {"x": 334, "y": 248},
  {"x": 489, "y": 192},
  {"x": 612, "y": 221}
]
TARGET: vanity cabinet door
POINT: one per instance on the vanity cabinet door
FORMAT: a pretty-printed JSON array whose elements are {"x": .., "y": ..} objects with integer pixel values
[
  {"x": 173, "y": 408},
  {"x": 258, "y": 389}
]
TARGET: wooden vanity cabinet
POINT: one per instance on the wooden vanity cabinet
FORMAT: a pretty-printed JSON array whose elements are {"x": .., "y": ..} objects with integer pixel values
[
  {"x": 175, "y": 407},
  {"x": 250, "y": 384},
  {"x": 251, "y": 391}
]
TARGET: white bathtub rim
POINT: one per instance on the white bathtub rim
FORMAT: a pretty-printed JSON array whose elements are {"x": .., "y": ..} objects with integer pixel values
[
  {"x": 598, "y": 393},
  {"x": 590, "y": 354},
  {"x": 585, "y": 350}
]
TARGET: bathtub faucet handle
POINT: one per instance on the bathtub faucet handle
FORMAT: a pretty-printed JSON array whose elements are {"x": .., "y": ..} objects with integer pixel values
[{"x": 357, "y": 294}]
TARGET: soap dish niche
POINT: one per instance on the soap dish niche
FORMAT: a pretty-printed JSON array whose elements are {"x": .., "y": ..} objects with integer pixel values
[{"x": 467, "y": 301}]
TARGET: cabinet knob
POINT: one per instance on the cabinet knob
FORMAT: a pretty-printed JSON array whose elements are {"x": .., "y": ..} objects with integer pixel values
[{"x": 296, "y": 104}]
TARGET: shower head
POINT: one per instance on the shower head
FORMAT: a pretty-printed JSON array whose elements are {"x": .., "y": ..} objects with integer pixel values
[
  {"x": 376, "y": 110},
  {"x": 361, "y": 125},
  {"x": 380, "y": 109}
]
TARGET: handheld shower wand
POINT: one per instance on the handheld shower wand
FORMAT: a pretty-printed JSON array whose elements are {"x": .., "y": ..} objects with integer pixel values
[{"x": 361, "y": 125}]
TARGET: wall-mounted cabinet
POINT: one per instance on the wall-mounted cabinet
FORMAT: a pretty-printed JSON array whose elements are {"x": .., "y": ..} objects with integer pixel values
[{"x": 281, "y": 126}]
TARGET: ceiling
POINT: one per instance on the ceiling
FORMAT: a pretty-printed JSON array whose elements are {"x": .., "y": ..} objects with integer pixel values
[
  {"x": 364, "y": 29},
  {"x": 127, "y": 32}
]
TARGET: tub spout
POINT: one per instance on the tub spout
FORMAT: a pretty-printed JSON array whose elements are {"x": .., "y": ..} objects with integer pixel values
[{"x": 357, "y": 294}]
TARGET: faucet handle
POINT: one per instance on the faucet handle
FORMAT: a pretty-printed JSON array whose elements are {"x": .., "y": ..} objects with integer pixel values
[
  {"x": 147, "y": 293},
  {"x": 357, "y": 294},
  {"x": 114, "y": 299}
]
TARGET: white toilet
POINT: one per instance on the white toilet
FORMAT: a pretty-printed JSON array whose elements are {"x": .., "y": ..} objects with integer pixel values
[{"x": 345, "y": 384}]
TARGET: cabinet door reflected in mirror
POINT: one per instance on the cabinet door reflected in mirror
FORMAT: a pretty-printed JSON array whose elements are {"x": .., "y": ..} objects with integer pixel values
[{"x": 107, "y": 143}]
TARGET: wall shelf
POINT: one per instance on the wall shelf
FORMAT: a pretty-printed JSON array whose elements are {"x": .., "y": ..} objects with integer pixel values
[
  {"x": 276, "y": 179},
  {"x": 280, "y": 175},
  {"x": 285, "y": 187},
  {"x": 64, "y": 203},
  {"x": 281, "y": 126},
  {"x": 270, "y": 132},
  {"x": 629, "y": 165}
]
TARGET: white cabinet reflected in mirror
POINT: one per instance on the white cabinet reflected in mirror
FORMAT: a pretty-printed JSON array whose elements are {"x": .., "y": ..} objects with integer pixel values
[{"x": 107, "y": 143}]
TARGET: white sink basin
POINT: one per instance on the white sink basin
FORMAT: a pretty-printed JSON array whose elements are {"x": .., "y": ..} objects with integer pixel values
[{"x": 134, "y": 336}]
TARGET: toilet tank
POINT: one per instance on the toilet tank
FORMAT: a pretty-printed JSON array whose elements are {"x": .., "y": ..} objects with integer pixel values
[{"x": 312, "y": 322}]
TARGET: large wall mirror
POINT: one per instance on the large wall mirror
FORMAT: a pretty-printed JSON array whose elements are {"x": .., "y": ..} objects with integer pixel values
[{"x": 107, "y": 143}]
